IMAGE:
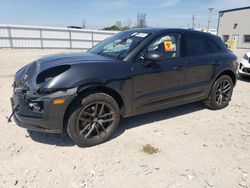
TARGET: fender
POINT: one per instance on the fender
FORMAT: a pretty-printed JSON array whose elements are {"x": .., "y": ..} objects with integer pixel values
[
  {"x": 120, "y": 90},
  {"x": 226, "y": 71}
]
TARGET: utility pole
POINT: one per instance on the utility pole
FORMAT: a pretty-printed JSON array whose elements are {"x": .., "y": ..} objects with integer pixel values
[
  {"x": 138, "y": 18},
  {"x": 193, "y": 22},
  {"x": 210, "y": 10},
  {"x": 84, "y": 25}
]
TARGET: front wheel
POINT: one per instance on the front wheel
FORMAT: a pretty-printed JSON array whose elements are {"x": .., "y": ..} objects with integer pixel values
[
  {"x": 221, "y": 93},
  {"x": 94, "y": 121}
]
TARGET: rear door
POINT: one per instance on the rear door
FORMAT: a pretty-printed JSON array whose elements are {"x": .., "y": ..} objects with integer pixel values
[{"x": 202, "y": 59}]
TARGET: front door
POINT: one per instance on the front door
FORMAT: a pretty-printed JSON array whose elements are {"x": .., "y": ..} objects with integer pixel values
[{"x": 161, "y": 82}]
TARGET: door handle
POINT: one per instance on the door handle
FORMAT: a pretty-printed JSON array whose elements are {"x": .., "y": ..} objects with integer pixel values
[{"x": 181, "y": 67}]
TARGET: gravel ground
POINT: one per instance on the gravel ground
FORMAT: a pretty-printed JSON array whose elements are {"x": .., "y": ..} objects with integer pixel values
[{"x": 187, "y": 146}]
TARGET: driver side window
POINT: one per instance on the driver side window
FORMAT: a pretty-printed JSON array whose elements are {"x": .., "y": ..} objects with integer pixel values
[{"x": 168, "y": 45}]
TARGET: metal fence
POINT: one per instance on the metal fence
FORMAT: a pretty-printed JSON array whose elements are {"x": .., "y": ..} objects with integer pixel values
[{"x": 12, "y": 36}]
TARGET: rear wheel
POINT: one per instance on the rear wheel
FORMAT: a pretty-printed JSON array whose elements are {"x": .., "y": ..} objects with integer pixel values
[
  {"x": 94, "y": 121},
  {"x": 221, "y": 93}
]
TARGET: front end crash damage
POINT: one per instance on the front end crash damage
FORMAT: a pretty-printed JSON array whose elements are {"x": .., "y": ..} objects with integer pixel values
[
  {"x": 36, "y": 102},
  {"x": 41, "y": 113}
]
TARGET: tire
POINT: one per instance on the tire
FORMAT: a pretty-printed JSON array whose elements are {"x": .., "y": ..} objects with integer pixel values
[
  {"x": 94, "y": 121},
  {"x": 217, "y": 98}
]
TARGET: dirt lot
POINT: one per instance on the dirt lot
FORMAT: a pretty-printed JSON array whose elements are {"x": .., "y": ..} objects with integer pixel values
[{"x": 193, "y": 146}]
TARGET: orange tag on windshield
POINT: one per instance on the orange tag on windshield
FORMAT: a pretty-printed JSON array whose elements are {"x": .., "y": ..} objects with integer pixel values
[{"x": 168, "y": 46}]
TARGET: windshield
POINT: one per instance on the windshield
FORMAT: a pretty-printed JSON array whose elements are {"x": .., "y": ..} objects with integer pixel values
[{"x": 120, "y": 45}]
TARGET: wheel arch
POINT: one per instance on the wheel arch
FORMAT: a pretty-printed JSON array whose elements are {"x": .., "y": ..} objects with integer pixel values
[
  {"x": 85, "y": 91},
  {"x": 225, "y": 72},
  {"x": 229, "y": 73}
]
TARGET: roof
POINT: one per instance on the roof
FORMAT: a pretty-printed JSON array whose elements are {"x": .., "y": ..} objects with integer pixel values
[
  {"x": 236, "y": 9},
  {"x": 162, "y": 30},
  {"x": 158, "y": 30}
]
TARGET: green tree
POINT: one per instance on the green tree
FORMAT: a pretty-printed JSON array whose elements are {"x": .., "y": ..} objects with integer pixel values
[{"x": 117, "y": 27}]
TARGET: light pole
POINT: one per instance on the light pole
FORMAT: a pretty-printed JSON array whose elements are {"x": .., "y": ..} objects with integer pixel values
[
  {"x": 210, "y": 10},
  {"x": 193, "y": 22}
]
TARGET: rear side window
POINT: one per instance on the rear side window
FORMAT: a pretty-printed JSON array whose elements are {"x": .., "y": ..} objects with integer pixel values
[
  {"x": 213, "y": 46},
  {"x": 196, "y": 45}
]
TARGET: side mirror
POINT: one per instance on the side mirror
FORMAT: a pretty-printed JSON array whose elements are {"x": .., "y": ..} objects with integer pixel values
[{"x": 153, "y": 56}]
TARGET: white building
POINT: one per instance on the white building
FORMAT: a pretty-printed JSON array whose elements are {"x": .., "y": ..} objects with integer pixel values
[{"x": 234, "y": 28}]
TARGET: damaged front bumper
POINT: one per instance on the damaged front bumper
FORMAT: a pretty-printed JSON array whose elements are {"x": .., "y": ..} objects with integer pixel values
[{"x": 38, "y": 112}]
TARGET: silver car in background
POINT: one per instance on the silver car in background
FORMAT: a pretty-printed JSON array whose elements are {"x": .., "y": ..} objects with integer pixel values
[{"x": 244, "y": 66}]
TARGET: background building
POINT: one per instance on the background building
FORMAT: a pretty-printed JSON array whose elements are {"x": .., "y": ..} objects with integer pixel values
[{"x": 234, "y": 28}]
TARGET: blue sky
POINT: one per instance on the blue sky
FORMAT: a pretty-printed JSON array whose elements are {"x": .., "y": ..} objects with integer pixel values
[{"x": 101, "y": 13}]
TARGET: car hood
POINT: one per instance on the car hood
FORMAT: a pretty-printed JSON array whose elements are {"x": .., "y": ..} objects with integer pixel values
[
  {"x": 28, "y": 74},
  {"x": 50, "y": 61}
]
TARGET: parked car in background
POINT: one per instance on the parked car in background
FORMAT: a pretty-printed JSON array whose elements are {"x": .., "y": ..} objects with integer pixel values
[
  {"x": 74, "y": 27},
  {"x": 131, "y": 73},
  {"x": 244, "y": 66}
]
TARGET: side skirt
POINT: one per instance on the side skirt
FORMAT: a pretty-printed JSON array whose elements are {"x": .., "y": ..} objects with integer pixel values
[{"x": 165, "y": 106}]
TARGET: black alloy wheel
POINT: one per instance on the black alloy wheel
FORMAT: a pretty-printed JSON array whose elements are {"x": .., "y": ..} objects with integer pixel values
[
  {"x": 94, "y": 121},
  {"x": 221, "y": 93}
]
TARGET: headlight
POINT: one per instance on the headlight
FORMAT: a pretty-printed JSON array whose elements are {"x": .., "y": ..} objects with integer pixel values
[{"x": 49, "y": 74}]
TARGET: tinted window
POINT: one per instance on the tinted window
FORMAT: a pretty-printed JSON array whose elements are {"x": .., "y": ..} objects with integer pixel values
[
  {"x": 168, "y": 45},
  {"x": 196, "y": 45},
  {"x": 214, "y": 48}
]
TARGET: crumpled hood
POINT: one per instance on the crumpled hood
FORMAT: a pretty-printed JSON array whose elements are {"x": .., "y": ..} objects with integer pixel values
[
  {"x": 46, "y": 62},
  {"x": 68, "y": 59}
]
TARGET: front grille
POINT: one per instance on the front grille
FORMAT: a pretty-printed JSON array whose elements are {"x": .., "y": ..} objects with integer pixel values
[
  {"x": 247, "y": 70},
  {"x": 27, "y": 107}
]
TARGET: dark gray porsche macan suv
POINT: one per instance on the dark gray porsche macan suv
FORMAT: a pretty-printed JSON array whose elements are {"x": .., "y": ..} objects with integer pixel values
[{"x": 133, "y": 72}]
